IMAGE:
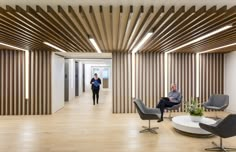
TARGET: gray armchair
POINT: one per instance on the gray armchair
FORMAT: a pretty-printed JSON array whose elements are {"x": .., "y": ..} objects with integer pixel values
[
  {"x": 217, "y": 102},
  {"x": 223, "y": 128},
  {"x": 175, "y": 107},
  {"x": 147, "y": 114}
]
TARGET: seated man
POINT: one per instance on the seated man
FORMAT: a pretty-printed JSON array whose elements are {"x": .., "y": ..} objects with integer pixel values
[{"x": 174, "y": 97}]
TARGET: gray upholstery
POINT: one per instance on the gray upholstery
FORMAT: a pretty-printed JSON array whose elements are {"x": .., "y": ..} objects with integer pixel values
[
  {"x": 217, "y": 102},
  {"x": 175, "y": 107},
  {"x": 223, "y": 128},
  {"x": 146, "y": 113}
]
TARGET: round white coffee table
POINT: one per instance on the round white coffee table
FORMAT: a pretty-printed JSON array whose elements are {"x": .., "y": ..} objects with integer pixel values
[{"x": 185, "y": 124}]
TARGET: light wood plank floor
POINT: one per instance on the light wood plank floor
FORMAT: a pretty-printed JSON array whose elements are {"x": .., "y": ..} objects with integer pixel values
[{"x": 82, "y": 127}]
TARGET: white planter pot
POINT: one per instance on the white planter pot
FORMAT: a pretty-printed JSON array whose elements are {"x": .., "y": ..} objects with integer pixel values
[{"x": 196, "y": 118}]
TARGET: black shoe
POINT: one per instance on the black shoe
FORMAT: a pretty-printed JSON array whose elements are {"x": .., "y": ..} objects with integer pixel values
[{"x": 160, "y": 120}]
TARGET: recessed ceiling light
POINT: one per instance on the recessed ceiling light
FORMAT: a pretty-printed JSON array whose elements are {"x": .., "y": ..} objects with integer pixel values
[
  {"x": 201, "y": 38},
  {"x": 14, "y": 47},
  {"x": 95, "y": 45},
  {"x": 147, "y": 36},
  {"x": 218, "y": 48},
  {"x": 55, "y": 47}
]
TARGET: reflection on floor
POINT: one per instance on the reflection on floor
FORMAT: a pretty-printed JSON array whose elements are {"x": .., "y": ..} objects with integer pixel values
[{"x": 82, "y": 127}]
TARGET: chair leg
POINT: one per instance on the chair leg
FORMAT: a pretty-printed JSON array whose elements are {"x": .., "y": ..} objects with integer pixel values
[
  {"x": 220, "y": 147},
  {"x": 149, "y": 129},
  {"x": 170, "y": 115}
]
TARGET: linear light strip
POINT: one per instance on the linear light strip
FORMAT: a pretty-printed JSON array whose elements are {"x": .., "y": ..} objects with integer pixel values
[
  {"x": 26, "y": 74},
  {"x": 55, "y": 47},
  {"x": 133, "y": 75},
  {"x": 166, "y": 73},
  {"x": 201, "y": 38},
  {"x": 197, "y": 74},
  {"x": 95, "y": 45},
  {"x": 218, "y": 48},
  {"x": 147, "y": 36},
  {"x": 14, "y": 47}
]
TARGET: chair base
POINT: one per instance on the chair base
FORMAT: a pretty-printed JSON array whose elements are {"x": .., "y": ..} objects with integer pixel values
[
  {"x": 220, "y": 148},
  {"x": 149, "y": 129}
]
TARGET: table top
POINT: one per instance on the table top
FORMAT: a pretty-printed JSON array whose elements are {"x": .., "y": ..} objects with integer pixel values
[{"x": 187, "y": 122}]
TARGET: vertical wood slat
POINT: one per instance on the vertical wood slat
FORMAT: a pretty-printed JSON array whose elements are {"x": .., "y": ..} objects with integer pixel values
[
  {"x": 121, "y": 80},
  {"x": 11, "y": 74},
  {"x": 12, "y": 83},
  {"x": 181, "y": 71},
  {"x": 211, "y": 75},
  {"x": 40, "y": 83},
  {"x": 150, "y": 78}
]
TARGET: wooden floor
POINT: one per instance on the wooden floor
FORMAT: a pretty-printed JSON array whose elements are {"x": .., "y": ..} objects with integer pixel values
[{"x": 82, "y": 127}]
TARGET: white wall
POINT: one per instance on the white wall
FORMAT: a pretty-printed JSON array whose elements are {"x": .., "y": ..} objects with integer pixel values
[
  {"x": 229, "y": 80},
  {"x": 71, "y": 79},
  {"x": 58, "y": 73},
  {"x": 80, "y": 78}
]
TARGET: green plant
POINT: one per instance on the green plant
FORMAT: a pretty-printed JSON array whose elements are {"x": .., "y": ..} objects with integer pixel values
[{"x": 194, "y": 109}]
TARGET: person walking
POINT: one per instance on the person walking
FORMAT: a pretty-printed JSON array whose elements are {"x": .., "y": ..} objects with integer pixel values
[{"x": 95, "y": 82}]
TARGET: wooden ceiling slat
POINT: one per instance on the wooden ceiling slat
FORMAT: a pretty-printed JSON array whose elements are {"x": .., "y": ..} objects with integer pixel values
[
  {"x": 220, "y": 43},
  {"x": 183, "y": 25},
  {"x": 167, "y": 25},
  {"x": 95, "y": 22},
  {"x": 79, "y": 35},
  {"x": 14, "y": 35},
  {"x": 119, "y": 28},
  {"x": 16, "y": 31},
  {"x": 175, "y": 25},
  {"x": 186, "y": 27},
  {"x": 80, "y": 25},
  {"x": 52, "y": 23},
  {"x": 132, "y": 32},
  {"x": 127, "y": 26},
  {"x": 229, "y": 35},
  {"x": 58, "y": 21},
  {"x": 185, "y": 36},
  {"x": 222, "y": 19},
  {"x": 111, "y": 24},
  {"x": 15, "y": 41},
  {"x": 142, "y": 25},
  {"x": 167, "y": 15},
  {"x": 88, "y": 24},
  {"x": 105, "y": 28},
  {"x": 30, "y": 23},
  {"x": 148, "y": 27},
  {"x": 57, "y": 36}
]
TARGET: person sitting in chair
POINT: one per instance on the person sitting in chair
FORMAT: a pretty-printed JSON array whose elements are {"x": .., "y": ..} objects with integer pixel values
[{"x": 174, "y": 97}]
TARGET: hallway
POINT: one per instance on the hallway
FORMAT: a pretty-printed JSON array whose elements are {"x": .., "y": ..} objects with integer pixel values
[{"x": 82, "y": 127}]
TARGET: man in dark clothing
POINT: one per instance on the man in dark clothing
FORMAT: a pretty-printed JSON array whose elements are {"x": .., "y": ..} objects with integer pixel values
[
  {"x": 96, "y": 82},
  {"x": 174, "y": 97}
]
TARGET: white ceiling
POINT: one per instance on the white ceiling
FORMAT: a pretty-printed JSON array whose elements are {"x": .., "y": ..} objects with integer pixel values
[
  {"x": 86, "y": 55},
  {"x": 176, "y": 3}
]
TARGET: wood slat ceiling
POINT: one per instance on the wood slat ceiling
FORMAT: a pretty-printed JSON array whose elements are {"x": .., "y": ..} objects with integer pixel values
[{"x": 116, "y": 28}]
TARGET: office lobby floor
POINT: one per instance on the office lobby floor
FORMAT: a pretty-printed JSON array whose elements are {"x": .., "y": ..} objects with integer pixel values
[{"x": 82, "y": 127}]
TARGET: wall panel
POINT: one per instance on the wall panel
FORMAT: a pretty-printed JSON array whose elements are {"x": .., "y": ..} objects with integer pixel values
[
  {"x": 122, "y": 98},
  {"x": 12, "y": 97},
  {"x": 39, "y": 102},
  {"x": 182, "y": 71},
  {"x": 150, "y": 77},
  {"x": 12, "y": 83},
  {"x": 211, "y": 75}
]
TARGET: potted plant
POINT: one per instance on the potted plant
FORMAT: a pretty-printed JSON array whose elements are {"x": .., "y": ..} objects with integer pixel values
[{"x": 195, "y": 111}]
